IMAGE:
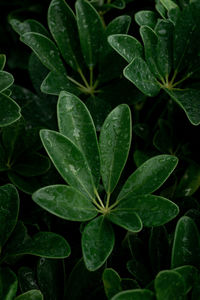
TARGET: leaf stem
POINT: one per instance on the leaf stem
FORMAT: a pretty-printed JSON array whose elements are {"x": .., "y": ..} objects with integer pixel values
[
  {"x": 183, "y": 79},
  {"x": 75, "y": 82},
  {"x": 108, "y": 200},
  {"x": 99, "y": 199},
  {"x": 91, "y": 77},
  {"x": 83, "y": 78}
]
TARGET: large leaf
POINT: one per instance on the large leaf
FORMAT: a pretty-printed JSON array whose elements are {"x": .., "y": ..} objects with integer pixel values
[
  {"x": 65, "y": 202},
  {"x": 111, "y": 282},
  {"x": 152, "y": 210},
  {"x": 188, "y": 100},
  {"x": 127, "y": 46},
  {"x": 9, "y": 209},
  {"x": 114, "y": 143},
  {"x": 31, "y": 295},
  {"x": 139, "y": 74},
  {"x": 137, "y": 294},
  {"x": 69, "y": 161},
  {"x": 63, "y": 27},
  {"x": 75, "y": 122},
  {"x": 186, "y": 245},
  {"x": 97, "y": 242},
  {"x": 127, "y": 219},
  {"x": 90, "y": 28},
  {"x": 149, "y": 176},
  {"x": 45, "y": 49},
  {"x": 8, "y": 284},
  {"x": 9, "y": 110},
  {"x": 6, "y": 80}
]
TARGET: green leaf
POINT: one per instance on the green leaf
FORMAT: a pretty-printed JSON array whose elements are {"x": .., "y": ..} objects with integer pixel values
[
  {"x": 31, "y": 295},
  {"x": 90, "y": 30},
  {"x": 189, "y": 274},
  {"x": 169, "y": 285},
  {"x": 6, "y": 80},
  {"x": 45, "y": 49},
  {"x": 70, "y": 203},
  {"x": 149, "y": 176},
  {"x": 168, "y": 4},
  {"x": 188, "y": 100},
  {"x": 114, "y": 144},
  {"x": 27, "y": 279},
  {"x": 139, "y": 74},
  {"x": 111, "y": 282},
  {"x": 186, "y": 245},
  {"x": 146, "y": 18},
  {"x": 75, "y": 122},
  {"x": 27, "y": 185},
  {"x": 137, "y": 294},
  {"x": 97, "y": 242},
  {"x": 63, "y": 27},
  {"x": 9, "y": 209},
  {"x": 126, "y": 218},
  {"x": 69, "y": 161},
  {"x": 119, "y": 4},
  {"x": 28, "y": 26},
  {"x": 127, "y": 46},
  {"x": 152, "y": 210},
  {"x": 9, "y": 111},
  {"x": 54, "y": 83},
  {"x": 2, "y": 61},
  {"x": 8, "y": 284}
]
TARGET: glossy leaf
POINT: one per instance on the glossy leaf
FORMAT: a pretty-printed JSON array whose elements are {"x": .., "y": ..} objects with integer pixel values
[
  {"x": 97, "y": 242},
  {"x": 127, "y": 46},
  {"x": 111, "y": 282},
  {"x": 188, "y": 100},
  {"x": 45, "y": 49},
  {"x": 9, "y": 209},
  {"x": 149, "y": 176},
  {"x": 31, "y": 295},
  {"x": 152, "y": 210},
  {"x": 2, "y": 61},
  {"x": 9, "y": 110},
  {"x": 6, "y": 80},
  {"x": 186, "y": 245},
  {"x": 139, "y": 74},
  {"x": 189, "y": 274},
  {"x": 169, "y": 285},
  {"x": 114, "y": 144},
  {"x": 8, "y": 284},
  {"x": 70, "y": 203},
  {"x": 29, "y": 25},
  {"x": 63, "y": 27},
  {"x": 90, "y": 30},
  {"x": 75, "y": 122},
  {"x": 127, "y": 219},
  {"x": 54, "y": 83},
  {"x": 69, "y": 161},
  {"x": 137, "y": 294},
  {"x": 146, "y": 18},
  {"x": 168, "y": 4}
]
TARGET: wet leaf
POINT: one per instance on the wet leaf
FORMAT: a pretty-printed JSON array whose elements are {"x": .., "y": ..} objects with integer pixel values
[
  {"x": 29, "y": 25},
  {"x": 126, "y": 218}
]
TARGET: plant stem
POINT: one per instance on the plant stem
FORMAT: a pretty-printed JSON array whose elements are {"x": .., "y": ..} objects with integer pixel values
[
  {"x": 183, "y": 79},
  {"x": 99, "y": 199},
  {"x": 76, "y": 82},
  {"x": 91, "y": 77},
  {"x": 83, "y": 78},
  {"x": 108, "y": 200}
]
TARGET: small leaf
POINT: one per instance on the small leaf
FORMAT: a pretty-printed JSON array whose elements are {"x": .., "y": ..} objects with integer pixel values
[
  {"x": 8, "y": 283},
  {"x": 90, "y": 30},
  {"x": 168, "y": 4},
  {"x": 127, "y": 46},
  {"x": 70, "y": 204},
  {"x": 137, "y": 294},
  {"x": 69, "y": 161},
  {"x": 152, "y": 210},
  {"x": 45, "y": 49},
  {"x": 149, "y": 176},
  {"x": 186, "y": 245},
  {"x": 28, "y": 26},
  {"x": 188, "y": 100},
  {"x": 146, "y": 18},
  {"x": 189, "y": 274},
  {"x": 75, "y": 122},
  {"x": 169, "y": 285},
  {"x": 139, "y": 74},
  {"x": 63, "y": 27},
  {"x": 119, "y": 4},
  {"x": 31, "y": 295},
  {"x": 9, "y": 111},
  {"x": 2, "y": 61},
  {"x": 9, "y": 209},
  {"x": 27, "y": 279},
  {"x": 114, "y": 144},
  {"x": 111, "y": 282},
  {"x": 97, "y": 243},
  {"x": 6, "y": 80},
  {"x": 127, "y": 219}
]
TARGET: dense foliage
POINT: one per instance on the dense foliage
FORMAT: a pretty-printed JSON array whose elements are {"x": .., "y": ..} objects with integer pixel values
[{"x": 99, "y": 151}]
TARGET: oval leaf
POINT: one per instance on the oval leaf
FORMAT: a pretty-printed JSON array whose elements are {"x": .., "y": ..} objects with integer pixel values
[
  {"x": 97, "y": 243},
  {"x": 114, "y": 144},
  {"x": 68, "y": 160},
  {"x": 111, "y": 282},
  {"x": 9, "y": 111},
  {"x": 8, "y": 284},
  {"x": 126, "y": 219},
  {"x": 31, "y": 295},
  {"x": 137, "y": 294},
  {"x": 2, "y": 61},
  {"x": 6, "y": 80},
  {"x": 149, "y": 176},
  {"x": 139, "y": 74},
  {"x": 45, "y": 49},
  {"x": 75, "y": 122},
  {"x": 146, "y": 17},
  {"x": 65, "y": 202},
  {"x": 28, "y": 26}
]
